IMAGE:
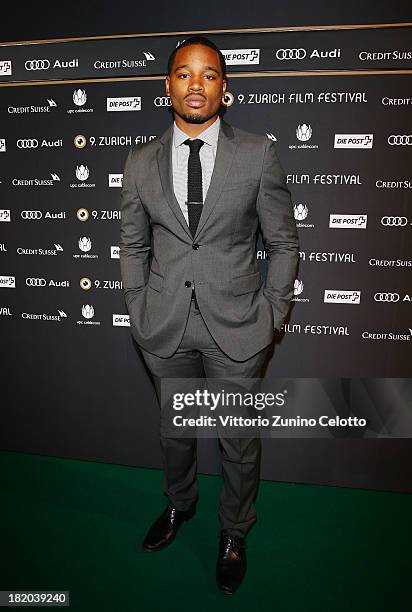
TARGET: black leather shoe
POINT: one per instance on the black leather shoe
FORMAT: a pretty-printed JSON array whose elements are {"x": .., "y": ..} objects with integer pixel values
[
  {"x": 164, "y": 529},
  {"x": 231, "y": 562}
]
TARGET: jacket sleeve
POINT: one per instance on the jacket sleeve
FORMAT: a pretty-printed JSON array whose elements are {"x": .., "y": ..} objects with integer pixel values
[
  {"x": 135, "y": 233},
  {"x": 280, "y": 237}
]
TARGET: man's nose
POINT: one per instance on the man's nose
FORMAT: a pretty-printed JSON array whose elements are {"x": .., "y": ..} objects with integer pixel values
[{"x": 195, "y": 83}]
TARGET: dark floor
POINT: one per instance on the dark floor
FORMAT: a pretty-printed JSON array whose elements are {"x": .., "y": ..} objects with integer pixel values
[{"x": 78, "y": 526}]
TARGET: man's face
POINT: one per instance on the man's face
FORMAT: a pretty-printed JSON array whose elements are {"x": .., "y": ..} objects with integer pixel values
[{"x": 196, "y": 85}]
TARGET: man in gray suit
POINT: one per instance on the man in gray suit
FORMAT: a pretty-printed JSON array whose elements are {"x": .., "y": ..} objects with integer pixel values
[{"x": 192, "y": 201}]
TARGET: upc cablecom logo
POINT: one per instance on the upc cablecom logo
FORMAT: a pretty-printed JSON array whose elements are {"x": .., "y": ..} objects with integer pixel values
[{"x": 5, "y": 68}]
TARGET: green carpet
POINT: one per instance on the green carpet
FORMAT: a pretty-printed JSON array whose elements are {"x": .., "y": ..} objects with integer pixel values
[{"x": 78, "y": 526}]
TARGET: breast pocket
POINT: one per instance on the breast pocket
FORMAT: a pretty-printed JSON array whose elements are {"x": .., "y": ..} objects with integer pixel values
[{"x": 240, "y": 185}]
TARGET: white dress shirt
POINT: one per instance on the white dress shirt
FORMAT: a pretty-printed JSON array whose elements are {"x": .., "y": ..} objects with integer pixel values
[{"x": 180, "y": 156}]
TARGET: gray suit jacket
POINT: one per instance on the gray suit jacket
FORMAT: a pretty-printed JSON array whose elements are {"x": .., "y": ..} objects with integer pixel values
[{"x": 159, "y": 256}]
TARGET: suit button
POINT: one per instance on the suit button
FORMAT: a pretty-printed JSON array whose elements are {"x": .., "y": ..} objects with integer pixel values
[
  {"x": 188, "y": 284},
  {"x": 195, "y": 246}
]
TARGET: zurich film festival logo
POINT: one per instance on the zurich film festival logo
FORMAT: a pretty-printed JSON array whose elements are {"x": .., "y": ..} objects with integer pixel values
[{"x": 5, "y": 68}]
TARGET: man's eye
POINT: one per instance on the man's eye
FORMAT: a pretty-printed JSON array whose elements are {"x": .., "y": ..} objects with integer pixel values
[
  {"x": 210, "y": 76},
  {"x": 184, "y": 74}
]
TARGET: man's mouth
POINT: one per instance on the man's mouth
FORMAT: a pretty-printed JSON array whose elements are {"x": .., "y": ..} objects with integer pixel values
[{"x": 195, "y": 101}]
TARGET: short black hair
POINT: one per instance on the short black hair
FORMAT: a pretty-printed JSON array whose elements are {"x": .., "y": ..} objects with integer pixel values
[{"x": 198, "y": 40}]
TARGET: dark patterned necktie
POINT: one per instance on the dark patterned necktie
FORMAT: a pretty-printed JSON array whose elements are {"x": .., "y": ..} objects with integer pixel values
[{"x": 194, "y": 184}]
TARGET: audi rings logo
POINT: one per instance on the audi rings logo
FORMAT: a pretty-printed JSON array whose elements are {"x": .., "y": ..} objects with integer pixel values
[
  {"x": 27, "y": 143},
  {"x": 37, "y": 64},
  {"x": 290, "y": 54},
  {"x": 31, "y": 214},
  {"x": 400, "y": 139},
  {"x": 386, "y": 297},
  {"x": 36, "y": 282},
  {"x": 162, "y": 101},
  {"x": 394, "y": 221}
]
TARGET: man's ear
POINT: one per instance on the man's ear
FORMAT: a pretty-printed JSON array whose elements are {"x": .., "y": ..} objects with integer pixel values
[
  {"x": 167, "y": 80},
  {"x": 224, "y": 86}
]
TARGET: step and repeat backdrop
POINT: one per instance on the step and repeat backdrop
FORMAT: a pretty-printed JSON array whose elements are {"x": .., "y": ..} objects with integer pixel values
[{"x": 338, "y": 103}]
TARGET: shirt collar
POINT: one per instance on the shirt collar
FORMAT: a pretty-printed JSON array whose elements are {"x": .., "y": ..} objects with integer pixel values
[{"x": 209, "y": 135}]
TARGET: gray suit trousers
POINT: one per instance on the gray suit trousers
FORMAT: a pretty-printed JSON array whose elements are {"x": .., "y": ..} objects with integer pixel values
[{"x": 199, "y": 356}]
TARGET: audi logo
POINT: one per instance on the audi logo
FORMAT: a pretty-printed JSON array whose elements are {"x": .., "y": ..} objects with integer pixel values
[
  {"x": 394, "y": 221},
  {"x": 162, "y": 101},
  {"x": 27, "y": 143},
  {"x": 400, "y": 139},
  {"x": 31, "y": 214},
  {"x": 39, "y": 64},
  {"x": 36, "y": 282},
  {"x": 386, "y": 297},
  {"x": 284, "y": 54}
]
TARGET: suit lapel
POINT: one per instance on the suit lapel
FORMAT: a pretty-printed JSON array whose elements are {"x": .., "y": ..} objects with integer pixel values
[{"x": 224, "y": 157}]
